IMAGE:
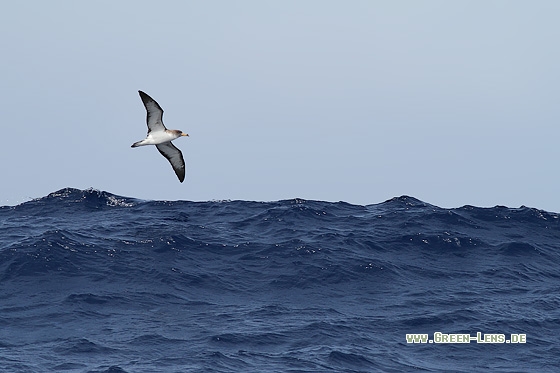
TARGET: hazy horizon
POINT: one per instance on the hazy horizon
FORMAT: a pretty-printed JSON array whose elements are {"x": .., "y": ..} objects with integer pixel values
[{"x": 452, "y": 103}]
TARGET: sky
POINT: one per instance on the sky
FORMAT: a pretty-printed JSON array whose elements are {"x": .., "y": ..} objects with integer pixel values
[{"x": 451, "y": 102}]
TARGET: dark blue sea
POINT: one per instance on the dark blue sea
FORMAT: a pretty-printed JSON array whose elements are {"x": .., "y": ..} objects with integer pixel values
[{"x": 95, "y": 282}]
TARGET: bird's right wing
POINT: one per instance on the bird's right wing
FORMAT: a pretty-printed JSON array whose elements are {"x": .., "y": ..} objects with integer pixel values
[{"x": 154, "y": 117}]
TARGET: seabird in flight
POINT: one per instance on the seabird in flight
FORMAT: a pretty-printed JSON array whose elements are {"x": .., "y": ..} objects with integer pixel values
[{"x": 161, "y": 137}]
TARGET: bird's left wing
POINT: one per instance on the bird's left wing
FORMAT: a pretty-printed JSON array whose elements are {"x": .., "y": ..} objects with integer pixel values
[{"x": 175, "y": 157}]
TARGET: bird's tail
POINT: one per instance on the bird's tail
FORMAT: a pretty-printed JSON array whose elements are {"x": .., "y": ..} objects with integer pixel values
[{"x": 137, "y": 144}]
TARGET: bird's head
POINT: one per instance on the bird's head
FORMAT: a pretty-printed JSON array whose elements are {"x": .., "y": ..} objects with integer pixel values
[{"x": 178, "y": 133}]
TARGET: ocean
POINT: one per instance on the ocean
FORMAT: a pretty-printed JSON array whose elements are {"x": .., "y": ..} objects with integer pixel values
[{"x": 95, "y": 282}]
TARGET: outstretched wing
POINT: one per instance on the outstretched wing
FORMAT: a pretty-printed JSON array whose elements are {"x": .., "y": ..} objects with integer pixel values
[
  {"x": 175, "y": 157},
  {"x": 154, "y": 118}
]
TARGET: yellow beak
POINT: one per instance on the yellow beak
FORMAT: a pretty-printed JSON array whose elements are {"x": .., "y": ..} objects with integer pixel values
[{"x": 184, "y": 134}]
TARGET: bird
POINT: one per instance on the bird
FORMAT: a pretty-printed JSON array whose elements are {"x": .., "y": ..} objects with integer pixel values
[{"x": 161, "y": 137}]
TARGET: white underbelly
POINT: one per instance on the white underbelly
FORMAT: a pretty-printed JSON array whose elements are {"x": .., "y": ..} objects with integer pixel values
[{"x": 155, "y": 138}]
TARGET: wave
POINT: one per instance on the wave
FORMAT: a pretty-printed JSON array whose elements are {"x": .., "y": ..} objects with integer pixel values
[{"x": 269, "y": 286}]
